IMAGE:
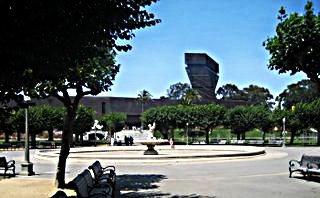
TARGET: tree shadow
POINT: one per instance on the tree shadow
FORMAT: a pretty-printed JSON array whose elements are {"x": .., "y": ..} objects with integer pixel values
[
  {"x": 138, "y": 182},
  {"x": 143, "y": 186},
  {"x": 6, "y": 176}
]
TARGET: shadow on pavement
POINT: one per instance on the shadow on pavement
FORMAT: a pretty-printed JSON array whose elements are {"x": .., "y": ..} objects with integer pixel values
[
  {"x": 313, "y": 178},
  {"x": 143, "y": 186}
]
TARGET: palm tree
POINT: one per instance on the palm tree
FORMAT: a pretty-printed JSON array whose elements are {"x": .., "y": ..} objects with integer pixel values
[
  {"x": 143, "y": 97},
  {"x": 190, "y": 96}
]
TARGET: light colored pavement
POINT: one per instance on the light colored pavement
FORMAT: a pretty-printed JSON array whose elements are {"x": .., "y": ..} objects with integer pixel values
[{"x": 259, "y": 176}]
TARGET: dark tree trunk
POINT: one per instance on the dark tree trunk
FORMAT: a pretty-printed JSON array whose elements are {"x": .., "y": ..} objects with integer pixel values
[
  {"x": 50, "y": 133},
  {"x": 293, "y": 134},
  {"x": 65, "y": 147},
  {"x": 165, "y": 134},
  {"x": 264, "y": 136},
  {"x": 238, "y": 135},
  {"x": 18, "y": 136},
  {"x": 243, "y": 134},
  {"x": 33, "y": 140},
  {"x": 81, "y": 138},
  {"x": 7, "y": 137}
]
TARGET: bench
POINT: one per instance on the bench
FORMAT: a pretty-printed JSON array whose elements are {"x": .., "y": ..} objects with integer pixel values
[
  {"x": 47, "y": 144},
  {"x": 85, "y": 186},
  {"x": 10, "y": 165},
  {"x": 6, "y": 146},
  {"x": 308, "y": 165},
  {"x": 103, "y": 175}
]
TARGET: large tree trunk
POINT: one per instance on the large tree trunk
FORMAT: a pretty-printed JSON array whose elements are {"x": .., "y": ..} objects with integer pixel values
[
  {"x": 293, "y": 134},
  {"x": 33, "y": 141},
  {"x": 50, "y": 135},
  {"x": 238, "y": 135},
  {"x": 65, "y": 147},
  {"x": 18, "y": 136},
  {"x": 165, "y": 133},
  {"x": 243, "y": 134},
  {"x": 7, "y": 137}
]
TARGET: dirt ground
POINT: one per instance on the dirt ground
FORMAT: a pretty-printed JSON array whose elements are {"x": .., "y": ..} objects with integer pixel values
[{"x": 28, "y": 188}]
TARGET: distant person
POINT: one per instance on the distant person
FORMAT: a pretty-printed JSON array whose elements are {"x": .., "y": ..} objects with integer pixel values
[
  {"x": 131, "y": 140},
  {"x": 126, "y": 140}
]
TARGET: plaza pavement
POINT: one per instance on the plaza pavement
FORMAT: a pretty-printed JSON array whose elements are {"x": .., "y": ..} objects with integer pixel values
[{"x": 260, "y": 176}]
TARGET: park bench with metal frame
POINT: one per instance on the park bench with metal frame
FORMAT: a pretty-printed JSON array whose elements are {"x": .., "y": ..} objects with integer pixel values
[
  {"x": 7, "y": 165},
  {"x": 103, "y": 175},
  {"x": 85, "y": 186},
  {"x": 307, "y": 166},
  {"x": 6, "y": 146}
]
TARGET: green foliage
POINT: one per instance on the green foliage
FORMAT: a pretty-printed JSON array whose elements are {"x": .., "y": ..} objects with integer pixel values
[
  {"x": 44, "y": 41},
  {"x": 40, "y": 118},
  {"x": 84, "y": 120},
  {"x": 296, "y": 46},
  {"x": 253, "y": 94},
  {"x": 178, "y": 90},
  {"x": 302, "y": 91},
  {"x": 113, "y": 122},
  {"x": 190, "y": 96},
  {"x": 230, "y": 91},
  {"x": 241, "y": 119}
]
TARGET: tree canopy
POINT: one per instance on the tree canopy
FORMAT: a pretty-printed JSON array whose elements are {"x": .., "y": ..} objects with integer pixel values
[
  {"x": 302, "y": 91},
  {"x": 53, "y": 47},
  {"x": 296, "y": 45},
  {"x": 178, "y": 90},
  {"x": 46, "y": 40}
]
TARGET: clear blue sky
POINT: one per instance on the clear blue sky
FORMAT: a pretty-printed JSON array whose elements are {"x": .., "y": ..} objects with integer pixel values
[{"x": 229, "y": 31}]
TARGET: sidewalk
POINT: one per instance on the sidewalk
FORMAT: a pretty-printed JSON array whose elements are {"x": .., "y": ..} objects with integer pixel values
[{"x": 26, "y": 188}]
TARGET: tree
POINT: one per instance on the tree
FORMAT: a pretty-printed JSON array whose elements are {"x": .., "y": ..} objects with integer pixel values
[
  {"x": 143, "y": 97},
  {"x": 165, "y": 117},
  {"x": 178, "y": 90},
  {"x": 99, "y": 23},
  {"x": 190, "y": 96},
  {"x": 241, "y": 119},
  {"x": 52, "y": 118},
  {"x": 258, "y": 95},
  {"x": 230, "y": 91},
  {"x": 296, "y": 45},
  {"x": 83, "y": 122},
  {"x": 303, "y": 91},
  {"x": 113, "y": 122},
  {"x": 208, "y": 117},
  {"x": 309, "y": 114},
  {"x": 41, "y": 41}
]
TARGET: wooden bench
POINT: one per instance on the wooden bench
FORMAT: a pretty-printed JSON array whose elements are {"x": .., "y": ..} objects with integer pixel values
[
  {"x": 10, "y": 165},
  {"x": 85, "y": 186},
  {"x": 308, "y": 165},
  {"x": 103, "y": 175}
]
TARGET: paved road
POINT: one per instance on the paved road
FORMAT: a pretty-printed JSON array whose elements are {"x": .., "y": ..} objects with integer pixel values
[{"x": 263, "y": 176}]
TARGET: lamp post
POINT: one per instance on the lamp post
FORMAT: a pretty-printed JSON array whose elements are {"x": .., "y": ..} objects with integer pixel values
[
  {"x": 95, "y": 127},
  {"x": 187, "y": 133},
  {"x": 26, "y": 166},
  {"x": 284, "y": 132}
]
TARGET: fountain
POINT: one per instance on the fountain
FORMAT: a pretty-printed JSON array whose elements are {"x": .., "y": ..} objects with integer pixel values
[{"x": 151, "y": 141}]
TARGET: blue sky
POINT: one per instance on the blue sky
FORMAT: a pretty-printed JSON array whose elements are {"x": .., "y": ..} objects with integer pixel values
[{"x": 229, "y": 31}]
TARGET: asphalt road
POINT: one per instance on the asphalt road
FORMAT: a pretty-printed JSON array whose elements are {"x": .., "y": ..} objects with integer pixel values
[{"x": 261, "y": 176}]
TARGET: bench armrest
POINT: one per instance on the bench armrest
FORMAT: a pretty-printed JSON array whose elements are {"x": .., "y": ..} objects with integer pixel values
[
  {"x": 110, "y": 169},
  {"x": 294, "y": 163},
  {"x": 11, "y": 163}
]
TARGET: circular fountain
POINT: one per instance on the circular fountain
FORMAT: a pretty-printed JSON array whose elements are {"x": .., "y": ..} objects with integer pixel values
[{"x": 151, "y": 141}]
